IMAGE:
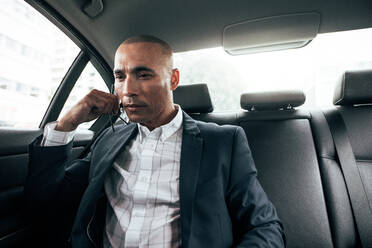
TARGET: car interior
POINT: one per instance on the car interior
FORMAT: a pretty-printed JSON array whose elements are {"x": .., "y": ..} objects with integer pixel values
[{"x": 315, "y": 164}]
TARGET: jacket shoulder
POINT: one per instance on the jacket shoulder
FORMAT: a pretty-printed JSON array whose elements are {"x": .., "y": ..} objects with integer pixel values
[
  {"x": 211, "y": 127},
  {"x": 226, "y": 132}
]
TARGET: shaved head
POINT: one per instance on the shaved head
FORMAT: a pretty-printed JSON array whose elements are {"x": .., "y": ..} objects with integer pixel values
[
  {"x": 167, "y": 50},
  {"x": 165, "y": 47}
]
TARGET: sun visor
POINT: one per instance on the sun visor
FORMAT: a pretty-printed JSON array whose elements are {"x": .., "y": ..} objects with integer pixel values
[{"x": 271, "y": 33}]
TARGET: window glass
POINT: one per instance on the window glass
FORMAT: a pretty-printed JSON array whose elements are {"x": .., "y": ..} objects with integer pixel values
[
  {"x": 314, "y": 69},
  {"x": 89, "y": 79},
  {"x": 34, "y": 57}
]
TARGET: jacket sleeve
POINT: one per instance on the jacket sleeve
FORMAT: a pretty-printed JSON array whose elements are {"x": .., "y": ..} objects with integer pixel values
[
  {"x": 53, "y": 188},
  {"x": 254, "y": 218}
]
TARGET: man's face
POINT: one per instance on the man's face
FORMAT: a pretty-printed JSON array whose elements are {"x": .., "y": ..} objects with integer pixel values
[{"x": 144, "y": 82}]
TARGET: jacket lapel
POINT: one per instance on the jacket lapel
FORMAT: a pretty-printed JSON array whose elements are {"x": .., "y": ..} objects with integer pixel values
[
  {"x": 104, "y": 154},
  {"x": 110, "y": 149},
  {"x": 191, "y": 151}
]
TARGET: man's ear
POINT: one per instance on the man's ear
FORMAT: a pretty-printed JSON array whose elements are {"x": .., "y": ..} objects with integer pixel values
[{"x": 175, "y": 79}]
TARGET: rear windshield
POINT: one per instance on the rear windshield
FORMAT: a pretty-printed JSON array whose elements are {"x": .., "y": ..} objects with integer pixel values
[{"x": 314, "y": 69}]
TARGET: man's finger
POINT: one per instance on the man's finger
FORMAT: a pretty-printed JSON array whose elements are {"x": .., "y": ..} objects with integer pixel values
[{"x": 103, "y": 102}]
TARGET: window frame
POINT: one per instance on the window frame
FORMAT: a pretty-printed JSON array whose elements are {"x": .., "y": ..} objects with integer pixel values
[
  {"x": 87, "y": 53},
  {"x": 65, "y": 87}
]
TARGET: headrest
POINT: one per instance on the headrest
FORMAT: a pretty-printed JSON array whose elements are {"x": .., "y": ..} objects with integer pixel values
[
  {"x": 193, "y": 98},
  {"x": 274, "y": 100},
  {"x": 355, "y": 87}
]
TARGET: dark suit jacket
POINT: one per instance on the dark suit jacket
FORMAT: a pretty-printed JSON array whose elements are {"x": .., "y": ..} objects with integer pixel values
[{"x": 222, "y": 203}]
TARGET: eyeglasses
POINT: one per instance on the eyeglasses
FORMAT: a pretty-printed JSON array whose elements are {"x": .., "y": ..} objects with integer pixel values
[{"x": 113, "y": 117}]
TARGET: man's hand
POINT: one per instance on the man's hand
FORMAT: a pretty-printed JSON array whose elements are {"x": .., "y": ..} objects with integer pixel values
[{"x": 94, "y": 104}]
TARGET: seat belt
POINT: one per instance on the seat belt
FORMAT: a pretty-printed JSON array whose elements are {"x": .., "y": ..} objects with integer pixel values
[{"x": 357, "y": 194}]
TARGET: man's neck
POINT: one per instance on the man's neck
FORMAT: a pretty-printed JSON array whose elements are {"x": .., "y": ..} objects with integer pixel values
[{"x": 169, "y": 117}]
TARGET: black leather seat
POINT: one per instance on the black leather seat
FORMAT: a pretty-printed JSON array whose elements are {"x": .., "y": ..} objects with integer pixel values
[
  {"x": 353, "y": 98},
  {"x": 283, "y": 148},
  {"x": 338, "y": 204},
  {"x": 282, "y": 145},
  {"x": 296, "y": 158},
  {"x": 354, "y": 101}
]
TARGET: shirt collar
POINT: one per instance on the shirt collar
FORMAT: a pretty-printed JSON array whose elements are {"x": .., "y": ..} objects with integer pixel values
[{"x": 164, "y": 131}]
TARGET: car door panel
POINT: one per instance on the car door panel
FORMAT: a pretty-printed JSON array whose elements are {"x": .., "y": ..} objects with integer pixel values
[{"x": 14, "y": 229}]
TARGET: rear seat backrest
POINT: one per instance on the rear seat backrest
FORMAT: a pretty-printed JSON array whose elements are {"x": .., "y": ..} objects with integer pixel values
[
  {"x": 353, "y": 96},
  {"x": 283, "y": 149},
  {"x": 338, "y": 204}
]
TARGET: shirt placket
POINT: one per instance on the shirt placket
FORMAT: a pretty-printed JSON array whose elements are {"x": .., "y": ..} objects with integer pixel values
[{"x": 140, "y": 190}]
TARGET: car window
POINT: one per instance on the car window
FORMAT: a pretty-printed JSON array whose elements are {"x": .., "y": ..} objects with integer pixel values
[
  {"x": 89, "y": 79},
  {"x": 34, "y": 57},
  {"x": 314, "y": 69}
]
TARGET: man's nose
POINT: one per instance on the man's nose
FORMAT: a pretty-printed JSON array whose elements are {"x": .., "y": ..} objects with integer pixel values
[{"x": 130, "y": 86}]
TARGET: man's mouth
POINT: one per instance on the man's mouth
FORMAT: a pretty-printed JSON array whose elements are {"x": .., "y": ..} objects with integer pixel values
[{"x": 133, "y": 107}]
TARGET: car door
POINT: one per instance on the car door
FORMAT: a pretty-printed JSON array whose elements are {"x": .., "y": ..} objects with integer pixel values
[{"x": 43, "y": 73}]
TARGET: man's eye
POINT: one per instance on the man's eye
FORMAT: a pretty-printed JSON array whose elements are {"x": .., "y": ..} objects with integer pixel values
[
  {"x": 144, "y": 75},
  {"x": 119, "y": 77}
]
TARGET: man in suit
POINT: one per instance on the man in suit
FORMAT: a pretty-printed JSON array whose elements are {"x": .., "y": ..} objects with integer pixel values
[{"x": 164, "y": 180}]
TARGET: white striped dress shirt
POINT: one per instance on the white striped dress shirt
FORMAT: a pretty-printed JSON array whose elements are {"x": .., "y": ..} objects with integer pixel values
[{"x": 143, "y": 190}]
